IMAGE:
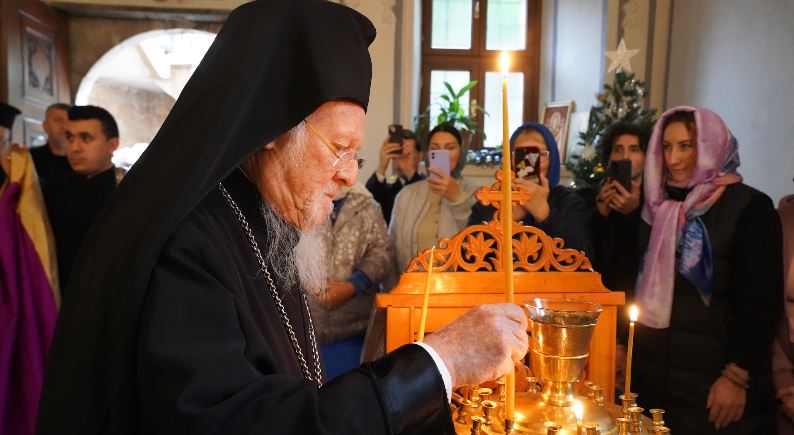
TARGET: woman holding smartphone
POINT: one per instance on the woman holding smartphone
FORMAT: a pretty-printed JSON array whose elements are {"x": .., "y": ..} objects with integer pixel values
[
  {"x": 436, "y": 207},
  {"x": 555, "y": 209},
  {"x": 710, "y": 284}
]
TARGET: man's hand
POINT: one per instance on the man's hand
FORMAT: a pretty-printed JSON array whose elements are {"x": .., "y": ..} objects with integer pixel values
[
  {"x": 483, "y": 344},
  {"x": 623, "y": 201},
  {"x": 335, "y": 294},
  {"x": 604, "y": 197},
  {"x": 538, "y": 206},
  {"x": 726, "y": 402},
  {"x": 387, "y": 152},
  {"x": 786, "y": 397},
  {"x": 443, "y": 184}
]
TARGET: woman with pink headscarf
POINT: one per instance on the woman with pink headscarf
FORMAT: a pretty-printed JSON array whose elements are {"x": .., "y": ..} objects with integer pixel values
[{"x": 709, "y": 285}]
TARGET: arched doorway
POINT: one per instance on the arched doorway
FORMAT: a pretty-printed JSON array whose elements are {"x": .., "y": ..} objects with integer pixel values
[{"x": 139, "y": 80}]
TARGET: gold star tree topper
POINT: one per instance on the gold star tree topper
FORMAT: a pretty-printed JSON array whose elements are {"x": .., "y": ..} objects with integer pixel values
[{"x": 620, "y": 57}]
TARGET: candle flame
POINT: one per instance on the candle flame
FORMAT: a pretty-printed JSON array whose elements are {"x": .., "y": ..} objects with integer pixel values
[
  {"x": 634, "y": 313},
  {"x": 504, "y": 62},
  {"x": 578, "y": 409}
]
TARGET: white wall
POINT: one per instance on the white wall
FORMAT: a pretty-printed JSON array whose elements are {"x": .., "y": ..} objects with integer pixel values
[
  {"x": 381, "y": 99},
  {"x": 571, "y": 59},
  {"x": 575, "y": 61},
  {"x": 736, "y": 57}
]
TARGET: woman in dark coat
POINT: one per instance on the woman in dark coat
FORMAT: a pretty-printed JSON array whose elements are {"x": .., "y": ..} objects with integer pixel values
[{"x": 710, "y": 286}]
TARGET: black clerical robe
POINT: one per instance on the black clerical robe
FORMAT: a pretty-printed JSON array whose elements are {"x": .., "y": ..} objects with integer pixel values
[
  {"x": 214, "y": 356},
  {"x": 72, "y": 203},
  {"x": 49, "y": 167}
]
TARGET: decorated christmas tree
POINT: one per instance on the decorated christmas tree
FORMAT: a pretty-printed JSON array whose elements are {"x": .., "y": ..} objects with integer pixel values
[{"x": 620, "y": 101}]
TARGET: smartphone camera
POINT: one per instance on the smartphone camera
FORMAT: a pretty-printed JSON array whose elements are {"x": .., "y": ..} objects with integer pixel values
[
  {"x": 396, "y": 136},
  {"x": 620, "y": 171},
  {"x": 526, "y": 162}
]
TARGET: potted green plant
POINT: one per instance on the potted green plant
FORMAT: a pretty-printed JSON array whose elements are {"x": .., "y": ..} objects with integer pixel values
[{"x": 452, "y": 111}]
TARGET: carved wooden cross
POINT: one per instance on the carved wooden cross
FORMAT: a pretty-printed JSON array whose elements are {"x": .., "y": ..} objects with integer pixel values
[{"x": 492, "y": 195}]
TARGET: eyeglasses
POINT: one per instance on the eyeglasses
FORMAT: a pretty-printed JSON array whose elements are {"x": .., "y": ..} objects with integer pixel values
[{"x": 343, "y": 159}]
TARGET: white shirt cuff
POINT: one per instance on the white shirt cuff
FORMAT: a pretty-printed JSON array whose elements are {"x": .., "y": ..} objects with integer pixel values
[{"x": 442, "y": 368}]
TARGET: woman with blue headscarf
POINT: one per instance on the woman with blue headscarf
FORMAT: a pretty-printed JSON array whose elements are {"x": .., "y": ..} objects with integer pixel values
[{"x": 555, "y": 209}]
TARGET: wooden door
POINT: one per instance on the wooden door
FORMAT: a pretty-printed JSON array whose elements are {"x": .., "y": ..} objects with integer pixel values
[{"x": 34, "y": 43}]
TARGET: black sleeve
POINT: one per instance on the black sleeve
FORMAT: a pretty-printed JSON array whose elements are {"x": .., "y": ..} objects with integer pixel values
[
  {"x": 384, "y": 194},
  {"x": 599, "y": 225},
  {"x": 202, "y": 371},
  {"x": 569, "y": 220},
  {"x": 758, "y": 285}
]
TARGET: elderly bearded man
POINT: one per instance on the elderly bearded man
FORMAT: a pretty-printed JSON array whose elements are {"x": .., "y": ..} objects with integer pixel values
[{"x": 187, "y": 310}]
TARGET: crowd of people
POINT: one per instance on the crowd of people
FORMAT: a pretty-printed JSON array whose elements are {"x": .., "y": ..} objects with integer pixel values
[
  {"x": 694, "y": 247},
  {"x": 700, "y": 252}
]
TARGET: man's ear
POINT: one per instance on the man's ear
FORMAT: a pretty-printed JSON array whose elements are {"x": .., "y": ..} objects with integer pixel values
[{"x": 114, "y": 144}]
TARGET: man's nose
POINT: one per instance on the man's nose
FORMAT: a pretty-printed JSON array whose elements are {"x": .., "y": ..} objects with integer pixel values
[{"x": 348, "y": 176}]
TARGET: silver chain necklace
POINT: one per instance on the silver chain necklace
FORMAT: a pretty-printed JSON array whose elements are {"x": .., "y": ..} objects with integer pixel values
[{"x": 317, "y": 375}]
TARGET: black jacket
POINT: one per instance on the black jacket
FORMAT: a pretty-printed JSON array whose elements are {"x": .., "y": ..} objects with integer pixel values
[
  {"x": 675, "y": 367},
  {"x": 568, "y": 219},
  {"x": 617, "y": 255},
  {"x": 384, "y": 193}
]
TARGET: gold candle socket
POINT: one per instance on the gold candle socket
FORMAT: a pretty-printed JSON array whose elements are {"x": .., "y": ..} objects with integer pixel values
[
  {"x": 552, "y": 429},
  {"x": 485, "y": 393},
  {"x": 635, "y": 415},
  {"x": 501, "y": 392},
  {"x": 598, "y": 394},
  {"x": 624, "y": 425},
  {"x": 658, "y": 416},
  {"x": 661, "y": 429},
  {"x": 464, "y": 412},
  {"x": 488, "y": 407},
  {"x": 591, "y": 429},
  {"x": 627, "y": 401},
  {"x": 476, "y": 425}
]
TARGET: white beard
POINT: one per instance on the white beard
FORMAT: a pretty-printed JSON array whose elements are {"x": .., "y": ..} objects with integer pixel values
[{"x": 297, "y": 257}]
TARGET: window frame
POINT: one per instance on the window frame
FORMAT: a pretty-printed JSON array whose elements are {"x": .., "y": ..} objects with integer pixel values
[{"x": 478, "y": 60}]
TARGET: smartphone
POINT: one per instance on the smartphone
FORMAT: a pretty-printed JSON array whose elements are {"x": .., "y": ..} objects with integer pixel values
[
  {"x": 526, "y": 162},
  {"x": 439, "y": 159},
  {"x": 396, "y": 136},
  {"x": 620, "y": 170}
]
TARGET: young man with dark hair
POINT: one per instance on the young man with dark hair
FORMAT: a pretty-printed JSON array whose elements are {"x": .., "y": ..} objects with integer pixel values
[
  {"x": 616, "y": 217},
  {"x": 50, "y": 159},
  {"x": 74, "y": 201},
  {"x": 617, "y": 210}
]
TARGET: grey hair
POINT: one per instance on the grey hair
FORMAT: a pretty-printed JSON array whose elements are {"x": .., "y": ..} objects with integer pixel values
[{"x": 296, "y": 140}]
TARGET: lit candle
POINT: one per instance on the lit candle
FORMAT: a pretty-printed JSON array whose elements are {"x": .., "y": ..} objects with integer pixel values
[
  {"x": 507, "y": 228},
  {"x": 633, "y": 315},
  {"x": 578, "y": 409},
  {"x": 423, "y": 319}
]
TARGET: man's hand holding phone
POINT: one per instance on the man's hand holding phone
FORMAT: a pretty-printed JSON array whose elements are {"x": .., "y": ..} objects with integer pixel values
[
  {"x": 613, "y": 196},
  {"x": 538, "y": 206},
  {"x": 388, "y": 151}
]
